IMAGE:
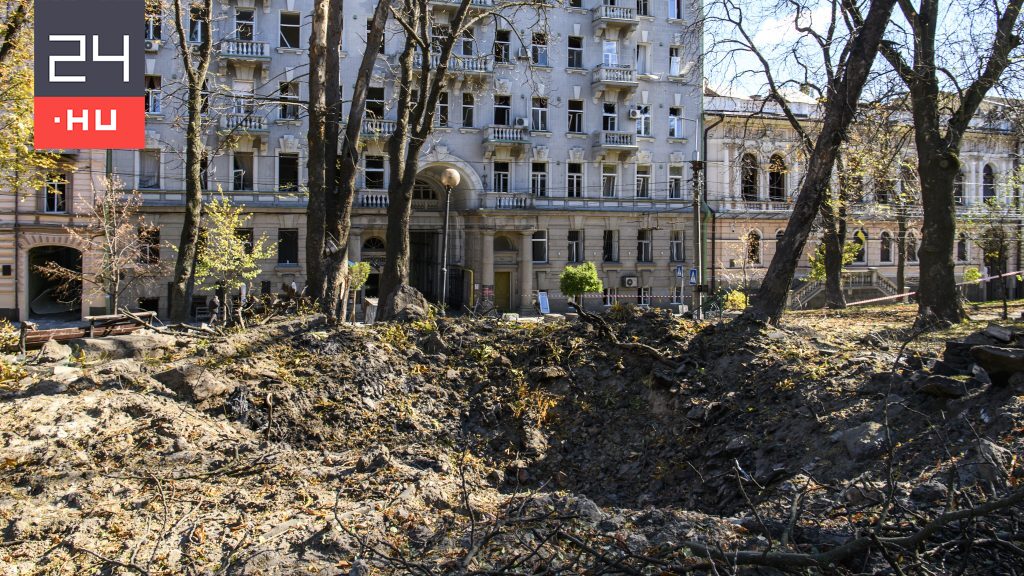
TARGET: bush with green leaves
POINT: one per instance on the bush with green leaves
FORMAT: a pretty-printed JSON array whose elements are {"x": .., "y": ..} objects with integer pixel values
[
  {"x": 972, "y": 274},
  {"x": 358, "y": 274},
  {"x": 227, "y": 257},
  {"x": 817, "y": 259},
  {"x": 578, "y": 280}
]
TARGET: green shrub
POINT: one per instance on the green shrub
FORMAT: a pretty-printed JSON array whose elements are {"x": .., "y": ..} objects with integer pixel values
[{"x": 578, "y": 280}]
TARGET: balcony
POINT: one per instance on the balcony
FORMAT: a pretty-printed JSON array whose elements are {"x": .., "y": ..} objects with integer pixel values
[
  {"x": 463, "y": 65},
  {"x": 474, "y": 5},
  {"x": 622, "y": 19},
  {"x": 243, "y": 123},
  {"x": 506, "y": 201},
  {"x": 512, "y": 138},
  {"x": 611, "y": 79},
  {"x": 608, "y": 141},
  {"x": 375, "y": 129},
  {"x": 376, "y": 199},
  {"x": 247, "y": 50}
]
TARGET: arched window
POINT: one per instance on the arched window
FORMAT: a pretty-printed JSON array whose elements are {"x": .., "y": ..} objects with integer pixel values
[
  {"x": 860, "y": 238},
  {"x": 958, "y": 189},
  {"x": 885, "y": 247},
  {"x": 911, "y": 246},
  {"x": 503, "y": 244},
  {"x": 961, "y": 248},
  {"x": 748, "y": 177},
  {"x": 777, "y": 179},
  {"x": 988, "y": 183},
  {"x": 754, "y": 247},
  {"x": 373, "y": 244},
  {"x": 423, "y": 191}
]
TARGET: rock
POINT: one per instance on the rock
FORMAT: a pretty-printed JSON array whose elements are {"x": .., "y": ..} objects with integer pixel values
[
  {"x": 864, "y": 493},
  {"x": 943, "y": 368},
  {"x": 980, "y": 375},
  {"x": 864, "y": 441},
  {"x": 548, "y": 373},
  {"x": 957, "y": 356},
  {"x": 407, "y": 304},
  {"x": 942, "y": 387},
  {"x": 895, "y": 404},
  {"x": 586, "y": 509},
  {"x": 986, "y": 463},
  {"x": 737, "y": 444},
  {"x": 997, "y": 332},
  {"x": 52, "y": 352},
  {"x": 550, "y": 318},
  {"x": 929, "y": 492},
  {"x": 140, "y": 345},
  {"x": 195, "y": 383},
  {"x": 434, "y": 344},
  {"x": 1000, "y": 363},
  {"x": 374, "y": 460}
]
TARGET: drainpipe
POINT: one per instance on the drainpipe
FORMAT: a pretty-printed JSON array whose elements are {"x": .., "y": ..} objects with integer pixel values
[{"x": 713, "y": 284}]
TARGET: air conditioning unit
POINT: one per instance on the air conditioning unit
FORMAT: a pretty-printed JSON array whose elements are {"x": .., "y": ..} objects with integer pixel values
[
  {"x": 629, "y": 281},
  {"x": 152, "y": 45},
  {"x": 524, "y": 53},
  {"x": 634, "y": 114},
  {"x": 522, "y": 123}
]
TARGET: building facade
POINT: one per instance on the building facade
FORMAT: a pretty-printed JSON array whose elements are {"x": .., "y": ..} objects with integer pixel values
[
  {"x": 755, "y": 168},
  {"x": 572, "y": 127}
]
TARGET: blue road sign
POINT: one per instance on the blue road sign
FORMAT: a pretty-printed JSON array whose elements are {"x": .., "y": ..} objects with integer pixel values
[{"x": 693, "y": 276}]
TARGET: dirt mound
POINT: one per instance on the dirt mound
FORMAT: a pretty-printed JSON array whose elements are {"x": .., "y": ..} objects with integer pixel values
[{"x": 449, "y": 444}]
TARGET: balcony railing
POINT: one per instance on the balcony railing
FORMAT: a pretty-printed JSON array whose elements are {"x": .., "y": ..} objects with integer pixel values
[
  {"x": 482, "y": 64},
  {"x": 376, "y": 198},
  {"x": 608, "y": 139},
  {"x": 610, "y": 12},
  {"x": 511, "y": 134},
  {"x": 506, "y": 201},
  {"x": 244, "y": 122},
  {"x": 378, "y": 128},
  {"x": 245, "y": 49},
  {"x": 615, "y": 74}
]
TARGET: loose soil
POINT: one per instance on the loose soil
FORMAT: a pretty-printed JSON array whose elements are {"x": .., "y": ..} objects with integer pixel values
[{"x": 463, "y": 445}]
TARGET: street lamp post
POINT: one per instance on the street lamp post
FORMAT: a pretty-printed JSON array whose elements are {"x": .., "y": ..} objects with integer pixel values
[{"x": 449, "y": 179}]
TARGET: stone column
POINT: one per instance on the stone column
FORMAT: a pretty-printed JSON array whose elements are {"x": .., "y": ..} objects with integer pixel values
[
  {"x": 355, "y": 245},
  {"x": 526, "y": 272}
]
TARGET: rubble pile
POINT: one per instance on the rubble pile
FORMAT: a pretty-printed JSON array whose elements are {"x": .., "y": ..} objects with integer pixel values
[{"x": 476, "y": 444}]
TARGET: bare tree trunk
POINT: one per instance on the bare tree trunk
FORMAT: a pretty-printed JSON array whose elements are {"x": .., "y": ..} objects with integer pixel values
[
  {"x": 833, "y": 239},
  {"x": 938, "y": 147},
  {"x": 342, "y": 166},
  {"x": 937, "y": 295},
  {"x": 316, "y": 207},
  {"x": 901, "y": 252},
  {"x": 770, "y": 301},
  {"x": 195, "y": 76}
]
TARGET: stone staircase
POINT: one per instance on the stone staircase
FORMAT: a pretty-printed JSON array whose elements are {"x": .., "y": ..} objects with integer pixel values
[{"x": 852, "y": 279}]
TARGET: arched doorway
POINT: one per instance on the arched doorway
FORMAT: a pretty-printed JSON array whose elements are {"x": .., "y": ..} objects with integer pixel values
[{"x": 52, "y": 296}]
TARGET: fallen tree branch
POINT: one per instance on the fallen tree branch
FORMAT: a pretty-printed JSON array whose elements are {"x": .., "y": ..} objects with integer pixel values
[
  {"x": 859, "y": 545},
  {"x": 606, "y": 331}
]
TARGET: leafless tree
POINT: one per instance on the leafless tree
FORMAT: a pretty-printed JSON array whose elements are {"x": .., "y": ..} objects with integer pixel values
[
  {"x": 126, "y": 250},
  {"x": 423, "y": 73},
  {"x": 922, "y": 53},
  {"x": 849, "y": 64},
  {"x": 196, "y": 65},
  {"x": 332, "y": 182}
]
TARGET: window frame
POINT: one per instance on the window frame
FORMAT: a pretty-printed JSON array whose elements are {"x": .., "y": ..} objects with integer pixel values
[
  {"x": 282, "y": 38},
  {"x": 574, "y": 54},
  {"x": 574, "y": 181},
  {"x": 609, "y": 177},
  {"x": 539, "y": 179},
  {"x": 575, "y": 249},
  {"x": 292, "y": 186},
  {"x": 645, "y": 245},
  {"x": 542, "y": 242},
  {"x": 643, "y": 181},
  {"x": 55, "y": 187}
]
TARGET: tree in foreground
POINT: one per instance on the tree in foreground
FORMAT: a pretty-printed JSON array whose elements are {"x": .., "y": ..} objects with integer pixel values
[
  {"x": 127, "y": 251},
  {"x": 575, "y": 281},
  {"x": 195, "y": 62},
  {"x": 228, "y": 254},
  {"x": 334, "y": 154},
  {"x": 970, "y": 60},
  {"x": 842, "y": 98}
]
